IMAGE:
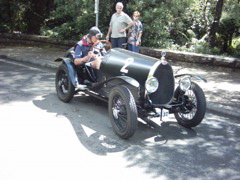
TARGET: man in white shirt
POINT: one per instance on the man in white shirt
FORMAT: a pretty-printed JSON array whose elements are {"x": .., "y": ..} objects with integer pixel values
[{"x": 120, "y": 22}]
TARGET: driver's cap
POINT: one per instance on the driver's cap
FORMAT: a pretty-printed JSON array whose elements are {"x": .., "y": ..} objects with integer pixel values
[{"x": 94, "y": 31}]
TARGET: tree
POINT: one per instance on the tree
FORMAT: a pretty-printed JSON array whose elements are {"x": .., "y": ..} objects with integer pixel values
[
  {"x": 163, "y": 21},
  {"x": 37, "y": 11},
  {"x": 215, "y": 24},
  {"x": 191, "y": 25},
  {"x": 229, "y": 27},
  {"x": 10, "y": 19},
  {"x": 24, "y": 15}
]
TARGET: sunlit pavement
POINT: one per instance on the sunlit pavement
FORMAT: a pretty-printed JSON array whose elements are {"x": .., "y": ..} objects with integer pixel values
[
  {"x": 43, "y": 138},
  {"x": 37, "y": 144}
]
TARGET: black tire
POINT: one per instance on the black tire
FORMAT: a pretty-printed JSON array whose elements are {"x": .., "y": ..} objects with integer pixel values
[
  {"x": 193, "y": 110},
  {"x": 122, "y": 112},
  {"x": 64, "y": 87}
]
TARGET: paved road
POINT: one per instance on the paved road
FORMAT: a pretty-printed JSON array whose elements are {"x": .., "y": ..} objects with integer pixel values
[{"x": 44, "y": 138}]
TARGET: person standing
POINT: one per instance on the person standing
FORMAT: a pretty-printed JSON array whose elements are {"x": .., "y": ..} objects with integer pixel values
[
  {"x": 135, "y": 33},
  {"x": 120, "y": 22}
]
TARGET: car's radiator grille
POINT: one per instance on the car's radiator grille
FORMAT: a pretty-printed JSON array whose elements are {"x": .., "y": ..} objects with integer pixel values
[{"x": 164, "y": 93}]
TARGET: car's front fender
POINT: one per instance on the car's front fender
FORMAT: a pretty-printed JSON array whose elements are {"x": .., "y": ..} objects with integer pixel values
[
  {"x": 71, "y": 68},
  {"x": 129, "y": 80},
  {"x": 191, "y": 76}
]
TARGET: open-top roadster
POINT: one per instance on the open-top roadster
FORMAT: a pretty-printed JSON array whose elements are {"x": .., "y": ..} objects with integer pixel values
[{"x": 134, "y": 85}]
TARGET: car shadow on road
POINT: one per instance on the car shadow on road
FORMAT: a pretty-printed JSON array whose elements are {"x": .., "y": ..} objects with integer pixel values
[
  {"x": 162, "y": 149},
  {"x": 89, "y": 119}
]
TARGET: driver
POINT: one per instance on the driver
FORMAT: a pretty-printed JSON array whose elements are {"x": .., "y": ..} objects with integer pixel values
[{"x": 83, "y": 52}]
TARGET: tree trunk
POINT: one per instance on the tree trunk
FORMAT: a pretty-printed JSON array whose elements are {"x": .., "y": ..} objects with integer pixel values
[
  {"x": 205, "y": 18},
  {"x": 215, "y": 23},
  {"x": 10, "y": 15}
]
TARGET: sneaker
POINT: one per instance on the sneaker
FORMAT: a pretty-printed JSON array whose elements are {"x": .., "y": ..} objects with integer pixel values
[
  {"x": 81, "y": 87},
  {"x": 87, "y": 82}
]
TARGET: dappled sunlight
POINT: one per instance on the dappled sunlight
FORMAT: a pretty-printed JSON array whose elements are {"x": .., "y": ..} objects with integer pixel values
[
  {"x": 21, "y": 85},
  {"x": 222, "y": 87},
  {"x": 211, "y": 152},
  {"x": 225, "y": 86},
  {"x": 80, "y": 132}
]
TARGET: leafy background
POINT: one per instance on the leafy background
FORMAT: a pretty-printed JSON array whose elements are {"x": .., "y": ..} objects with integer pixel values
[{"x": 186, "y": 25}]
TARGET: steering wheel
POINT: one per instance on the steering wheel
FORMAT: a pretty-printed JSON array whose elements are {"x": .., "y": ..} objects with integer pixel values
[{"x": 104, "y": 42}]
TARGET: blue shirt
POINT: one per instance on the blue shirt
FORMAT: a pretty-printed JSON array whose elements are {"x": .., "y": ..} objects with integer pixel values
[{"x": 82, "y": 48}]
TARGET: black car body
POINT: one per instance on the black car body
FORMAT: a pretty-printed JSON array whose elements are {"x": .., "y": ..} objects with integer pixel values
[{"x": 134, "y": 85}]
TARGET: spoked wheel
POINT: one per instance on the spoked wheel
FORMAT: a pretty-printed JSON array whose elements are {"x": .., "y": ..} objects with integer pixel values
[
  {"x": 122, "y": 112},
  {"x": 65, "y": 89},
  {"x": 192, "y": 112}
]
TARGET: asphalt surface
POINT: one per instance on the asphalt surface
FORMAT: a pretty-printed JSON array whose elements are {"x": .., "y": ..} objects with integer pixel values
[
  {"x": 42, "y": 138},
  {"x": 222, "y": 89}
]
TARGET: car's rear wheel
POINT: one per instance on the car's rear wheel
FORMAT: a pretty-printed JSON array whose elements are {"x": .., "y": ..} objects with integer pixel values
[
  {"x": 192, "y": 112},
  {"x": 122, "y": 112},
  {"x": 65, "y": 89}
]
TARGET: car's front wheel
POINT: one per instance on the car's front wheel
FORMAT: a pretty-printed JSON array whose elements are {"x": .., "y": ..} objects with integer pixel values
[
  {"x": 193, "y": 108},
  {"x": 65, "y": 89},
  {"x": 122, "y": 112}
]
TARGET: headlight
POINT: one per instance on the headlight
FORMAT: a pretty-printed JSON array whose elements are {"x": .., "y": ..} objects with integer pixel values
[
  {"x": 151, "y": 85},
  {"x": 185, "y": 83}
]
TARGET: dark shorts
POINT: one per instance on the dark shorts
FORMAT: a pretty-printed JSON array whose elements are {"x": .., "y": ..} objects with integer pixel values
[
  {"x": 118, "y": 42},
  {"x": 133, "y": 48}
]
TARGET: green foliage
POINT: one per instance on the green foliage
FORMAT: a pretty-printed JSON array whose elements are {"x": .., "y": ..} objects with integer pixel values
[
  {"x": 23, "y": 16},
  {"x": 163, "y": 22},
  {"x": 73, "y": 20},
  {"x": 199, "y": 15},
  {"x": 12, "y": 16},
  {"x": 68, "y": 20},
  {"x": 229, "y": 29},
  {"x": 182, "y": 25},
  {"x": 236, "y": 43}
]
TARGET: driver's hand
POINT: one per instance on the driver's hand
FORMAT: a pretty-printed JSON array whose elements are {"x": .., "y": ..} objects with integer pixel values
[{"x": 90, "y": 54}]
